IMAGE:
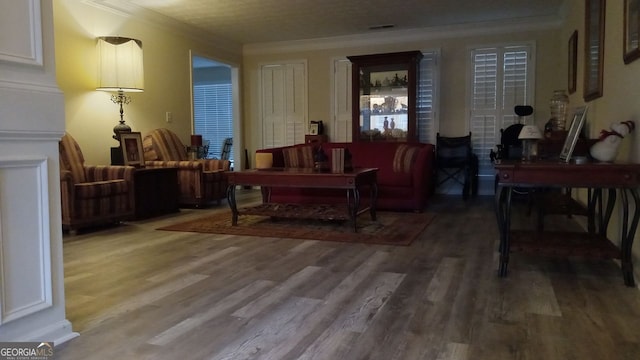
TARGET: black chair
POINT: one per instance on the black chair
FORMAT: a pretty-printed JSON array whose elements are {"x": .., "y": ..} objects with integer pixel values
[
  {"x": 456, "y": 161},
  {"x": 226, "y": 149}
]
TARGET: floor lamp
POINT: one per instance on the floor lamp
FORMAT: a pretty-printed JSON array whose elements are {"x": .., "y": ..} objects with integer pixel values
[{"x": 120, "y": 69}]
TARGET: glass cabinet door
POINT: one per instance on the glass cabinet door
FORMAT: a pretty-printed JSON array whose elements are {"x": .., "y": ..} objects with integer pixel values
[{"x": 384, "y": 95}]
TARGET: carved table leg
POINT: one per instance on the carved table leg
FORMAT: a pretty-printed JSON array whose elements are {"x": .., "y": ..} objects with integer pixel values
[{"x": 231, "y": 199}]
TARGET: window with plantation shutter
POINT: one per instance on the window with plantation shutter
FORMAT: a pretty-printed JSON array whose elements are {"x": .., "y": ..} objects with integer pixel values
[
  {"x": 501, "y": 78},
  {"x": 427, "y": 91},
  {"x": 213, "y": 115}
]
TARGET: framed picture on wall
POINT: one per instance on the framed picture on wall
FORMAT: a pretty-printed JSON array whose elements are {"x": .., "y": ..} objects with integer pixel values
[
  {"x": 593, "y": 49},
  {"x": 573, "y": 62},
  {"x": 631, "y": 30}
]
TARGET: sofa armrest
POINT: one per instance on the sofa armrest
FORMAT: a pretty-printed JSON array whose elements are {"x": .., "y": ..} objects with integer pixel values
[
  {"x": 422, "y": 171},
  {"x": 108, "y": 172},
  {"x": 196, "y": 165},
  {"x": 216, "y": 164}
]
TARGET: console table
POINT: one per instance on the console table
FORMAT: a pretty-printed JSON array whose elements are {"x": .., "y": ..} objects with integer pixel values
[
  {"x": 350, "y": 181},
  {"x": 600, "y": 178}
]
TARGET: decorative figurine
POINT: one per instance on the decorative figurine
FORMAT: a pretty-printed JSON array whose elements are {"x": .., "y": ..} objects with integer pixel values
[{"x": 606, "y": 149}]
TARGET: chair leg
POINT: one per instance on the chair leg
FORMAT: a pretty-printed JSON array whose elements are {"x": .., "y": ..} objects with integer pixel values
[{"x": 466, "y": 187}]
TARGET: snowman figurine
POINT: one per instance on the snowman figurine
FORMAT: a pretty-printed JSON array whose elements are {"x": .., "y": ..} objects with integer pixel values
[{"x": 607, "y": 146}]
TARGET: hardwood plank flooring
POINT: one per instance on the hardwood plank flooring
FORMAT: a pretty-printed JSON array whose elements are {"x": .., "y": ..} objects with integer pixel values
[{"x": 134, "y": 292}]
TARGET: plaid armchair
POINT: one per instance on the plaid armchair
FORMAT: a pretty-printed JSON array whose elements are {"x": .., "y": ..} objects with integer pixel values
[
  {"x": 92, "y": 195},
  {"x": 200, "y": 181}
]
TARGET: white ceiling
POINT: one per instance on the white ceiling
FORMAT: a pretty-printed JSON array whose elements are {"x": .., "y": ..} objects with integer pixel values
[{"x": 258, "y": 21}]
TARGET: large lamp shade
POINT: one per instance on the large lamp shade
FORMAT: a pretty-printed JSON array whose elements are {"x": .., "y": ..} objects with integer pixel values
[
  {"x": 120, "y": 69},
  {"x": 120, "y": 64}
]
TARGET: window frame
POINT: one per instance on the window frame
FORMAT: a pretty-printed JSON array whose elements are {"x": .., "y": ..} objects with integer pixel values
[{"x": 500, "y": 111}]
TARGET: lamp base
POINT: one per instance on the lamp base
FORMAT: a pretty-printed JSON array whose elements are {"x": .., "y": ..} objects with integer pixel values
[
  {"x": 529, "y": 150},
  {"x": 119, "y": 129}
]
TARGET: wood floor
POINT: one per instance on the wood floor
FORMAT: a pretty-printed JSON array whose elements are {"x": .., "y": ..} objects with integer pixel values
[{"x": 133, "y": 292}]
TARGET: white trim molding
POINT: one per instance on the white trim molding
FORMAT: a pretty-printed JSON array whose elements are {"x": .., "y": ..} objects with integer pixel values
[
  {"x": 25, "y": 241},
  {"x": 25, "y": 46},
  {"x": 405, "y": 36}
]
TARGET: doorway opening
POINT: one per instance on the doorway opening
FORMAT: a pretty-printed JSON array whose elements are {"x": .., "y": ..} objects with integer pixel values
[{"x": 214, "y": 106}]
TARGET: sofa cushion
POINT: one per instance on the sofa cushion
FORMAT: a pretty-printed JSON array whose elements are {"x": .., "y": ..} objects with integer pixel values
[
  {"x": 404, "y": 157},
  {"x": 298, "y": 157}
]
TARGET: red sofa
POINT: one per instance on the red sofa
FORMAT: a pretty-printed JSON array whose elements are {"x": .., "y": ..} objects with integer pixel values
[{"x": 400, "y": 189}]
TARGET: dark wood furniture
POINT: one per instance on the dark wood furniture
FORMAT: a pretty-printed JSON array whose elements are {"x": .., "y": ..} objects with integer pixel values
[
  {"x": 352, "y": 182},
  {"x": 605, "y": 181},
  {"x": 384, "y": 96},
  {"x": 156, "y": 192},
  {"x": 315, "y": 139}
]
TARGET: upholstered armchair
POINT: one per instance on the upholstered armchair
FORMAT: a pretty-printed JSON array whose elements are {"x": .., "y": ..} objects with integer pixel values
[
  {"x": 92, "y": 195},
  {"x": 200, "y": 181}
]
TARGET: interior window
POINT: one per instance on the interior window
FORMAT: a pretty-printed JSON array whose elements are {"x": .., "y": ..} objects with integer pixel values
[{"x": 501, "y": 77}]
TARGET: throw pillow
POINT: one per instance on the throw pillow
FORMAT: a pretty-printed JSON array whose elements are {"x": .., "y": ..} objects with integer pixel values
[
  {"x": 298, "y": 157},
  {"x": 403, "y": 159}
]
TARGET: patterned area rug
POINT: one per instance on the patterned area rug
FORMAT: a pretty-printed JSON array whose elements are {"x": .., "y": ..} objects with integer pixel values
[{"x": 390, "y": 228}]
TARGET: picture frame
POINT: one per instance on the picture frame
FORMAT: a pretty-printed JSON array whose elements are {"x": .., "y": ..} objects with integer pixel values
[
  {"x": 313, "y": 129},
  {"x": 131, "y": 145},
  {"x": 573, "y": 62},
  {"x": 631, "y": 31},
  {"x": 579, "y": 118},
  {"x": 594, "y": 49}
]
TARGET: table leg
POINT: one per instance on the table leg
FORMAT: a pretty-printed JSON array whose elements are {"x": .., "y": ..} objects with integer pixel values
[
  {"x": 503, "y": 215},
  {"x": 374, "y": 201},
  {"x": 266, "y": 194},
  {"x": 628, "y": 234},
  {"x": 354, "y": 210},
  {"x": 231, "y": 199}
]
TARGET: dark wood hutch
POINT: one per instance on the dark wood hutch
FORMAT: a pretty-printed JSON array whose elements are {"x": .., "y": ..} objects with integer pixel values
[{"x": 384, "y": 95}]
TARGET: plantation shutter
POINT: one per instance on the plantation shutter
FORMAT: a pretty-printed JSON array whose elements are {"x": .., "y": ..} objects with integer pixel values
[
  {"x": 501, "y": 78},
  {"x": 213, "y": 118},
  {"x": 426, "y": 98}
]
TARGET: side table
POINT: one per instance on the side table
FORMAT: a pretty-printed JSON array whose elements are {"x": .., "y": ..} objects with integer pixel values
[{"x": 156, "y": 192}]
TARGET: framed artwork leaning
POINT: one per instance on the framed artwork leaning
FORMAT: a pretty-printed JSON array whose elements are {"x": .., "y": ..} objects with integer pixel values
[
  {"x": 131, "y": 144},
  {"x": 579, "y": 118}
]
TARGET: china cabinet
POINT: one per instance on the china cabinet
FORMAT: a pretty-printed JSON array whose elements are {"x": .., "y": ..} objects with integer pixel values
[{"x": 384, "y": 90}]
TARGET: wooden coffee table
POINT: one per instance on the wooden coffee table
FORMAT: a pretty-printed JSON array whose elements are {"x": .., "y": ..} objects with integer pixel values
[{"x": 352, "y": 182}]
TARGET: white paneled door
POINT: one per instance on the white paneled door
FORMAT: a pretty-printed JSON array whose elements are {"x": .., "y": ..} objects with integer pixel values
[
  {"x": 283, "y": 103},
  {"x": 341, "y": 130}
]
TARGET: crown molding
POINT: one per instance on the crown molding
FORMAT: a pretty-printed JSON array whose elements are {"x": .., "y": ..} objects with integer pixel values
[{"x": 405, "y": 36}]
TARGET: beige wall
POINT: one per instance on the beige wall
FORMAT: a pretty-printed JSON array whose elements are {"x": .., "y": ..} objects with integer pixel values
[
  {"x": 90, "y": 114},
  {"x": 453, "y": 76},
  {"x": 621, "y": 82},
  {"x": 621, "y": 88}
]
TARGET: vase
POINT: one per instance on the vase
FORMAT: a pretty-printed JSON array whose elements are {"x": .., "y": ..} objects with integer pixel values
[{"x": 559, "y": 104}]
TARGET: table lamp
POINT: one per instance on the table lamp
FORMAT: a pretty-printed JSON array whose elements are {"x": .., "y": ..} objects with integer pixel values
[
  {"x": 120, "y": 69},
  {"x": 530, "y": 134}
]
